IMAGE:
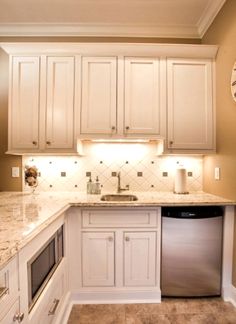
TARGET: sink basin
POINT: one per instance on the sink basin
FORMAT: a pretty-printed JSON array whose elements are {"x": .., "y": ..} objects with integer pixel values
[{"x": 118, "y": 197}]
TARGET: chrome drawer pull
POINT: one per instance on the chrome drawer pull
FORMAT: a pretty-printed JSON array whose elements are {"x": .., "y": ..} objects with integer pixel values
[
  {"x": 3, "y": 291},
  {"x": 18, "y": 317},
  {"x": 53, "y": 309}
]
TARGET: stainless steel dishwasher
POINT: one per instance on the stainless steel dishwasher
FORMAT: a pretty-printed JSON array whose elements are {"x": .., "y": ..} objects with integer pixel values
[{"x": 191, "y": 251}]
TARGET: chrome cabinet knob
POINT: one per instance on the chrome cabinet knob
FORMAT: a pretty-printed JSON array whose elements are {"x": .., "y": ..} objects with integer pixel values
[{"x": 18, "y": 317}]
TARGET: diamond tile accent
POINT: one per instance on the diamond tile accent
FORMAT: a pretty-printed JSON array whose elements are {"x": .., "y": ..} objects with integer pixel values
[{"x": 141, "y": 158}]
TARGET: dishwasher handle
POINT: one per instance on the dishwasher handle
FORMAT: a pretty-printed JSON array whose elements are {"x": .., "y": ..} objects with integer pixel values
[{"x": 192, "y": 212}]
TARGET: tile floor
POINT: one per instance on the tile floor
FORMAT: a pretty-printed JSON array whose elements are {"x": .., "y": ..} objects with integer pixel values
[{"x": 170, "y": 311}]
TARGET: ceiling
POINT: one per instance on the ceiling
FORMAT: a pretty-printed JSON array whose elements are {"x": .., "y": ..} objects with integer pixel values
[{"x": 134, "y": 18}]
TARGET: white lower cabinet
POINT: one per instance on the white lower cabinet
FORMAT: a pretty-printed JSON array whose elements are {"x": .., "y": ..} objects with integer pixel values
[
  {"x": 50, "y": 301},
  {"x": 13, "y": 315},
  {"x": 120, "y": 255},
  {"x": 9, "y": 294},
  {"x": 43, "y": 296},
  {"x": 139, "y": 259},
  {"x": 98, "y": 259}
]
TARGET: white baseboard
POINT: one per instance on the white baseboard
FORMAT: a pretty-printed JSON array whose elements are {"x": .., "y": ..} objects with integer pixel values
[
  {"x": 103, "y": 297},
  {"x": 229, "y": 294},
  {"x": 117, "y": 297}
]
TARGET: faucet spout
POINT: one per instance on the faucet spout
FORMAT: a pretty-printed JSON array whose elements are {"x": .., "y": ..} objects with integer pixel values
[{"x": 119, "y": 189}]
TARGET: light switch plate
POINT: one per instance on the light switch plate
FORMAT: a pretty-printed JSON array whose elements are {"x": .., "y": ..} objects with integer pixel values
[
  {"x": 217, "y": 173},
  {"x": 15, "y": 172}
]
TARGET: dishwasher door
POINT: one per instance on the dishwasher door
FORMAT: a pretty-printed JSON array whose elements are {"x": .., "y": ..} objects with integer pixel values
[{"x": 191, "y": 252}]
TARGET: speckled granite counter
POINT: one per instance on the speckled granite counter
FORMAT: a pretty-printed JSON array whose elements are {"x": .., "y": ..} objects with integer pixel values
[{"x": 24, "y": 215}]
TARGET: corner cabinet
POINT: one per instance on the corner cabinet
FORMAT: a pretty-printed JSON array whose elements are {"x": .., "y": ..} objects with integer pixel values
[
  {"x": 190, "y": 106},
  {"x": 41, "y": 104}
]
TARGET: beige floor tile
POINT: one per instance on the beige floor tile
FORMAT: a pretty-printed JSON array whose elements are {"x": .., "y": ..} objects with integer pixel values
[{"x": 170, "y": 311}]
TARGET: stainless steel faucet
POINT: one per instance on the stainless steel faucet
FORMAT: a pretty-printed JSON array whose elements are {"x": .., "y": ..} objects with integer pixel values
[{"x": 119, "y": 189}]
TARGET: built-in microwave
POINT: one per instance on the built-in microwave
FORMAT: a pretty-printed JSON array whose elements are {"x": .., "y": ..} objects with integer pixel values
[{"x": 43, "y": 264}]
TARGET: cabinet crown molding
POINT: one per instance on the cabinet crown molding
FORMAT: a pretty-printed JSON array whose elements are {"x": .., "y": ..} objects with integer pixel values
[{"x": 141, "y": 49}]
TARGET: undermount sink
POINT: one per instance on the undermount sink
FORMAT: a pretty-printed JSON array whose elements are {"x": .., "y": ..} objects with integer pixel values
[{"x": 117, "y": 197}]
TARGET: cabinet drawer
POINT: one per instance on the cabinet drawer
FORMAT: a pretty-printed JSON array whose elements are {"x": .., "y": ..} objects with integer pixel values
[
  {"x": 119, "y": 218},
  {"x": 47, "y": 306},
  {"x": 8, "y": 286}
]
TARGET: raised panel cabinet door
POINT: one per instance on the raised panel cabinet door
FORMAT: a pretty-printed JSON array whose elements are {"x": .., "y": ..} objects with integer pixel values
[
  {"x": 142, "y": 96},
  {"x": 139, "y": 259},
  {"x": 60, "y": 90},
  {"x": 24, "y": 103},
  {"x": 190, "y": 104},
  {"x": 98, "y": 259},
  {"x": 13, "y": 314},
  {"x": 99, "y": 92}
]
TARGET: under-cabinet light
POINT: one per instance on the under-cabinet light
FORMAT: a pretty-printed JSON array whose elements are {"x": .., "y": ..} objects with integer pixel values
[{"x": 121, "y": 140}]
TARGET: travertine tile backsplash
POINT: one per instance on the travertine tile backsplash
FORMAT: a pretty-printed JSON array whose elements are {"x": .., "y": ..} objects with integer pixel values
[{"x": 139, "y": 165}]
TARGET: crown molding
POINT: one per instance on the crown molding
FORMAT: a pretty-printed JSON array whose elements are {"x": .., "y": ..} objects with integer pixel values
[
  {"x": 98, "y": 30},
  {"x": 208, "y": 16},
  {"x": 124, "y": 49}
]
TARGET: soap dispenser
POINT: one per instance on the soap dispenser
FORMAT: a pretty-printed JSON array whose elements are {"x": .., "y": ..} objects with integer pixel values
[
  {"x": 89, "y": 185},
  {"x": 97, "y": 186}
]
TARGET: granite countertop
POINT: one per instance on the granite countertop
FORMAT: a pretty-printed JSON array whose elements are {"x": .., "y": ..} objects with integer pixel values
[{"x": 23, "y": 215}]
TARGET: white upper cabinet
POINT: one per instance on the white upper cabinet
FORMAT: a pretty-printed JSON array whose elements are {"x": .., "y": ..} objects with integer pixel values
[
  {"x": 142, "y": 96},
  {"x": 121, "y": 97},
  {"x": 60, "y": 102},
  {"x": 99, "y": 90},
  {"x": 41, "y": 111},
  {"x": 190, "y": 104},
  {"x": 24, "y": 103},
  {"x": 65, "y": 92}
]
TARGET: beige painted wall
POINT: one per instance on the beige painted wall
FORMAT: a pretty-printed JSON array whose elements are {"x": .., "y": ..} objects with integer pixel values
[
  {"x": 7, "y": 183},
  {"x": 223, "y": 33}
]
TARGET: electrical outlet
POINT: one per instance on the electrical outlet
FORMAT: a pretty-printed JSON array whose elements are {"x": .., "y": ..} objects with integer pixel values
[
  {"x": 217, "y": 173},
  {"x": 15, "y": 172}
]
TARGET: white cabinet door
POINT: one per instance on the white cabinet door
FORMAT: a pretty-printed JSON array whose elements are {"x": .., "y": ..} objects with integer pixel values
[
  {"x": 13, "y": 314},
  {"x": 24, "y": 103},
  {"x": 139, "y": 259},
  {"x": 60, "y": 102},
  {"x": 98, "y": 259},
  {"x": 190, "y": 104},
  {"x": 142, "y": 96},
  {"x": 99, "y": 82}
]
